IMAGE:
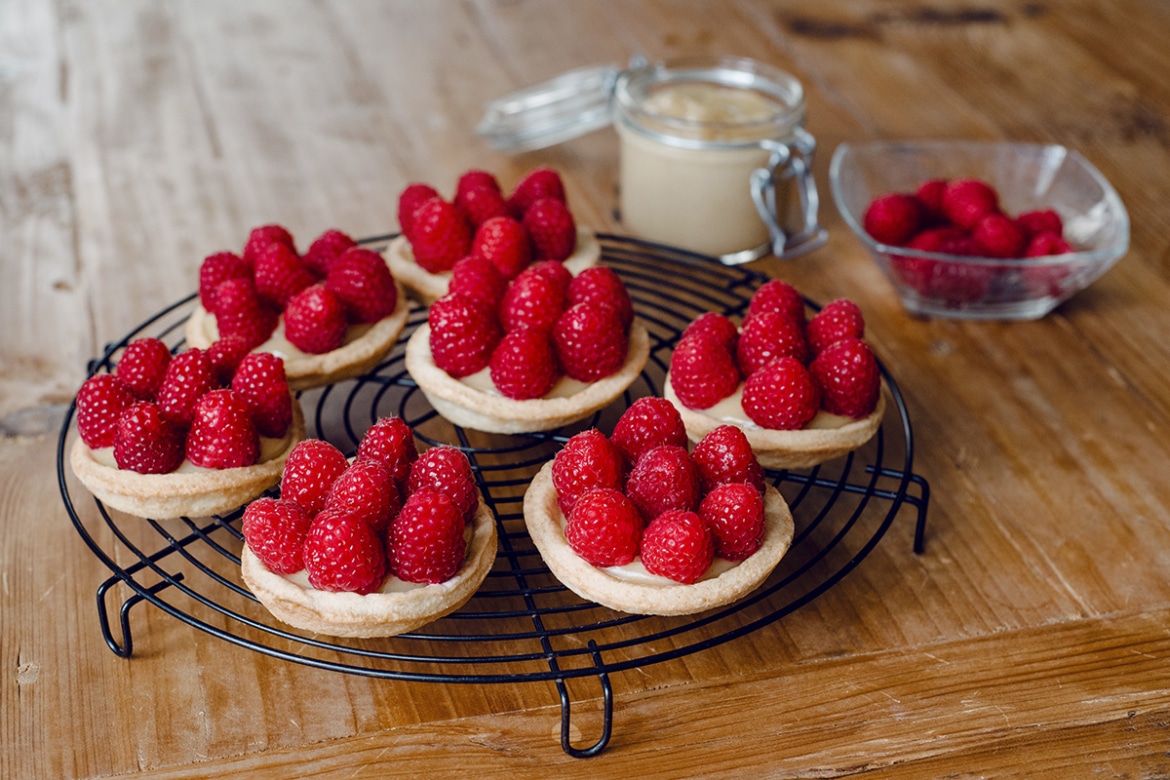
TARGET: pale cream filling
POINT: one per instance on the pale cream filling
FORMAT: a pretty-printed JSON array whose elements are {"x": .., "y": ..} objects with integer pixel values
[
  {"x": 269, "y": 449},
  {"x": 565, "y": 387}
]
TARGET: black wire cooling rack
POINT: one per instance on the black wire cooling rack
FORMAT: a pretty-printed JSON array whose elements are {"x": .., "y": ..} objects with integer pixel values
[{"x": 522, "y": 626}]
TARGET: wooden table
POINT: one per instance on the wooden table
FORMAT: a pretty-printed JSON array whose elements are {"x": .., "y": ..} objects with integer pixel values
[{"x": 1029, "y": 639}]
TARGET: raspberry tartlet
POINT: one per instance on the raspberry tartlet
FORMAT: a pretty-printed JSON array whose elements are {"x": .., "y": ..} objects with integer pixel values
[
  {"x": 332, "y": 312},
  {"x": 804, "y": 391},
  {"x": 530, "y": 224},
  {"x": 165, "y": 437},
  {"x": 636, "y": 523},
  {"x": 541, "y": 351},
  {"x": 375, "y": 547}
]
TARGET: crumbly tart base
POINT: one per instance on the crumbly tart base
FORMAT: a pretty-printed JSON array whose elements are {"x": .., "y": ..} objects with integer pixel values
[
  {"x": 375, "y": 614},
  {"x": 427, "y": 287},
  {"x": 182, "y": 494},
  {"x": 543, "y": 518},
  {"x": 354, "y": 358},
  {"x": 787, "y": 449},
  {"x": 470, "y": 407}
]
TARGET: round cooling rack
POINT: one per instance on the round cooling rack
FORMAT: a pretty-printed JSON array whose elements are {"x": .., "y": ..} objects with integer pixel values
[{"x": 522, "y": 625}]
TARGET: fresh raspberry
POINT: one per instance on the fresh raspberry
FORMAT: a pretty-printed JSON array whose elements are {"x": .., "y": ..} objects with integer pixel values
[
  {"x": 463, "y": 335},
  {"x": 260, "y": 380},
  {"x": 777, "y": 296},
  {"x": 848, "y": 377},
  {"x": 188, "y": 377},
  {"x": 240, "y": 312},
  {"x": 836, "y": 320},
  {"x": 479, "y": 204},
  {"x": 590, "y": 341},
  {"x": 714, "y": 326},
  {"x": 280, "y": 274},
  {"x": 326, "y": 248},
  {"x": 363, "y": 283},
  {"x": 365, "y": 490},
  {"x": 999, "y": 236},
  {"x": 965, "y": 201},
  {"x": 391, "y": 442},
  {"x": 315, "y": 321},
  {"x": 538, "y": 184},
  {"x": 225, "y": 354},
  {"x": 556, "y": 273},
  {"x": 781, "y": 395},
  {"x": 678, "y": 545},
  {"x": 553, "y": 231},
  {"x": 474, "y": 178},
  {"x": 143, "y": 365},
  {"x": 478, "y": 278},
  {"x": 409, "y": 201},
  {"x": 1047, "y": 243},
  {"x": 222, "y": 434},
  {"x": 735, "y": 514},
  {"x": 504, "y": 242},
  {"x": 275, "y": 531},
  {"x": 532, "y": 300},
  {"x": 440, "y": 235},
  {"x": 1040, "y": 221},
  {"x": 917, "y": 272},
  {"x": 425, "y": 540},
  {"x": 216, "y": 269},
  {"x": 309, "y": 473},
  {"x": 524, "y": 364},
  {"x": 766, "y": 337},
  {"x": 600, "y": 284},
  {"x": 959, "y": 283},
  {"x": 344, "y": 554},
  {"x": 146, "y": 441},
  {"x": 647, "y": 423},
  {"x": 664, "y": 478},
  {"x": 724, "y": 456},
  {"x": 930, "y": 196},
  {"x": 447, "y": 470},
  {"x": 604, "y": 528},
  {"x": 702, "y": 371},
  {"x": 587, "y": 461},
  {"x": 100, "y": 401},
  {"x": 943, "y": 240},
  {"x": 264, "y": 236},
  {"x": 893, "y": 218}
]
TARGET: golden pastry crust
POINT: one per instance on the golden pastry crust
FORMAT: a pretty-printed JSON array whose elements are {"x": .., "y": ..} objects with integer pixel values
[
  {"x": 469, "y": 407},
  {"x": 427, "y": 287},
  {"x": 358, "y": 355},
  {"x": 544, "y": 521},
  {"x": 787, "y": 449},
  {"x": 182, "y": 494},
  {"x": 375, "y": 614}
]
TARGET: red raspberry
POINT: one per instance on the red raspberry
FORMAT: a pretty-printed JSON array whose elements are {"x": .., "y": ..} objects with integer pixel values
[
  {"x": 930, "y": 196},
  {"x": 216, "y": 269},
  {"x": 447, "y": 470},
  {"x": 309, "y": 473},
  {"x": 916, "y": 272},
  {"x": 600, "y": 284},
  {"x": 363, "y": 283},
  {"x": 439, "y": 236},
  {"x": 999, "y": 236},
  {"x": 524, "y": 364},
  {"x": 241, "y": 313},
  {"x": 587, "y": 461},
  {"x": 479, "y": 204},
  {"x": 425, "y": 540},
  {"x": 941, "y": 239},
  {"x": 725, "y": 456},
  {"x": 326, "y": 248},
  {"x": 965, "y": 201},
  {"x": 781, "y": 395},
  {"x": 478, "y": 278},
  {"x": 768, "y": 336},
  {"x": 474, "y": 178},
  {"x": 344, "y": 554},
  {"x": 590, "y": 341},
  {"x": 836, "y": 320},
  {"x": 365, "y": 490},
  {"x": 556, "y": 273},
  {"x": 735, "y": 514},
  {"x": 957, "y": 283},
  {"x": 647, "y": 423},
  {"x": 391, "y": 442},
  {"x": 264, "y": 236},
  {"x": 714, "y": 326},
  {"x": 261, "y": 382},
  {"x": 848, "y": 377},
  {"x": 702, "y": 371},
  {"x": 225, "y": 355},
  {"x": 222, "y": 434},
  {"x": 777, "y": 296},
  {"x": 409, "y": 201},
  {"x": 532, "y": 300},
  {"x": 678, "y": 545},
  {"x": 604, "y": 528},
  {"x": 893, "y": 218},
  {"x": 147, "y": 442},
  {"x": 280, "y": 274},
  {"x": 100, "y": 402},
  {"x": 1040, "y": 221},
  {"x": 275, "y": 531},
  {"x": 463, "y": 335},
  {"x": 143, "y": 365},
  {"x": 538, "y": 184},
  {"x": 553, "y": 231},
  {"x": 314, "y": 320},
  {"x": 664, "y": 478},
  {"x": 1047, "y": 243},
  {"x": 504, "y": 242},
  {"x": 188, "y": 377}
]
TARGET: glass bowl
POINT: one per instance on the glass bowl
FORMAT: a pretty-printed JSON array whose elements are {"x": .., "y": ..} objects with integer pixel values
[{"x": 1027, "y": 177}]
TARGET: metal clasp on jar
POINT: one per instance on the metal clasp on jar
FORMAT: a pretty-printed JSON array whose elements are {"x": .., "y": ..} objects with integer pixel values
[{"x": 789, "y": 167}]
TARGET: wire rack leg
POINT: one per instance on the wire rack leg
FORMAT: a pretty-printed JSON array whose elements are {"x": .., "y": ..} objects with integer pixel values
[
  {"x": 607, "y": 713},
  {"x": 920, "y": 502},
  {"x": 125, "y": 647}
]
